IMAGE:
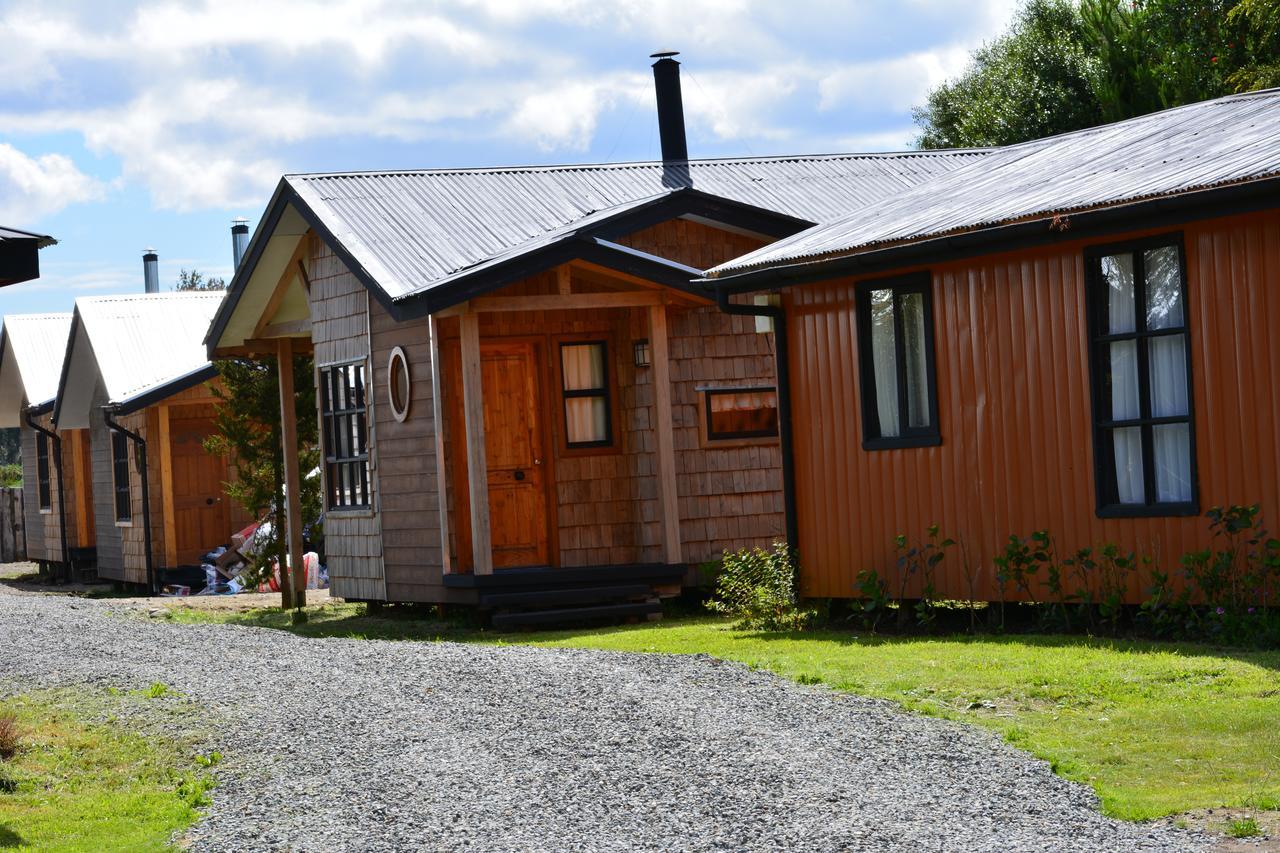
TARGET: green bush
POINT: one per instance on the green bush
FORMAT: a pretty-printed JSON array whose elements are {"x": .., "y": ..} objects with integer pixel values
[
  {"x": 11, "y": 475},
  {"x": 758, "y": 588}
]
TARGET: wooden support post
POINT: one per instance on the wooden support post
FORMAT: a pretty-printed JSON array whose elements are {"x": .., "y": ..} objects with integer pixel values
[
  {"x": 477, "y": 464},
  {"x": 668, "y": 498},
  {"x": 168, "y": 518},
  {"x": 437, "y": 415},
  {"x": 293, "y": 589}
]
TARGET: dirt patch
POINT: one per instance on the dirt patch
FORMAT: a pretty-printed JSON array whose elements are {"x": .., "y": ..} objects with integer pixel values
[
  {"x": 22, "y": 579},
  {"x": 230, "y": 603},
  {"x": 1218, "y": 823}
]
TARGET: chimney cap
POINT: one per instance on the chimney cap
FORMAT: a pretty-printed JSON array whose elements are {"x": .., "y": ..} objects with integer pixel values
[
  {"x": 148, "y": 251},
  {"x": 664, "y": 54},
  {"x": 240, "y": 220}
]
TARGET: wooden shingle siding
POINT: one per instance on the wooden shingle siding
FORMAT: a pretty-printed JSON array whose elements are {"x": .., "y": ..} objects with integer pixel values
[
  {"x": 339, "y": 307},
  {"x": 44, "y": 535},
  {"x": 110, "y": 553},
  {"x": 694, "y": 244},
  {"x": 1012, "y": 350}
]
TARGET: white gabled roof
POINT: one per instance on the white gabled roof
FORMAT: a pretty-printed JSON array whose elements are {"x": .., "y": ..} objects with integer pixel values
[
  {"x": 135, "y": 345},
  {"x": 31, "y": 350}
]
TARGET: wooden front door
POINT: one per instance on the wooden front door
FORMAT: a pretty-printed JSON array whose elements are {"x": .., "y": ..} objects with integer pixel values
[
  {"x": 201, "y": 515},
  {"x": 514, "y": 452}
]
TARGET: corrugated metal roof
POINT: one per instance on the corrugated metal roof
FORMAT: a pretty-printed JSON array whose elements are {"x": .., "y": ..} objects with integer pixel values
[
  {"x": 413, "y": 230},
  {"x": 1199, "y": 146},
  {"x": 143, "y": 341},
  {"x": 32, "y": 347},
  {"x": 42, "y": 240}
]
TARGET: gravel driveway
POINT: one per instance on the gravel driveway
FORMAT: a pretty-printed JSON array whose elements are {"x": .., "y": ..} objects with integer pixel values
[{"x": 363, "y": 745}]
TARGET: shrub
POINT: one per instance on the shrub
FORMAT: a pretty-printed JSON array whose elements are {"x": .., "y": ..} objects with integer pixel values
[
  {"x": 11, "y": 475},
  {"x": 920, "y": 559},
  {"x": 874, "y": 594},
  {"x": 10, "y": 736},
  {"x": 758, "y": 588}
]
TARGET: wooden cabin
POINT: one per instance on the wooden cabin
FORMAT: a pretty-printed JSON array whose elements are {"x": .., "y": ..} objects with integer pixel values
[
  {"x": 524, "y": 397},
  {"x": 60, "y": 531},
  {"x": 137, "y": 380},
  {"x": 20, "y": 255},
  {"x": 1075, "y": 335}
]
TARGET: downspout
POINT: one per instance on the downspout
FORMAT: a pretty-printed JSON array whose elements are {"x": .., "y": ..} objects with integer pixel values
[
  {"x": 146, "y": 495},
  {"x": 62, "y": 495},
  {"x": 783, "y": 368}
]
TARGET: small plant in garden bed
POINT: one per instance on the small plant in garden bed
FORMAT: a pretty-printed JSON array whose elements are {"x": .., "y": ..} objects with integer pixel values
[
  {"x": 1244, "y": 828},
  {"x": 758, "y": 588}
]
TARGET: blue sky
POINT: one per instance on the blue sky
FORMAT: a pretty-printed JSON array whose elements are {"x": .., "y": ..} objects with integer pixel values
[{"x": 124, "y": 126}]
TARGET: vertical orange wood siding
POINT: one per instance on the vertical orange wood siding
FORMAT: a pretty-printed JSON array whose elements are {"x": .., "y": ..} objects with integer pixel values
[{"x": 1015, "y": 411}]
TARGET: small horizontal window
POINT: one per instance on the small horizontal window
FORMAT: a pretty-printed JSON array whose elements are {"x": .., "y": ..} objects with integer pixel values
[{"x": 741, "y": 413}]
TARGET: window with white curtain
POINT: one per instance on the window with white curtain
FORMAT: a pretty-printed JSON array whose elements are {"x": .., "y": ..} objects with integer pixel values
[
  {"x": 1144, "y": 445},
  {"x": 584, "y": 373},
  {"x": 895, "y": 343}
]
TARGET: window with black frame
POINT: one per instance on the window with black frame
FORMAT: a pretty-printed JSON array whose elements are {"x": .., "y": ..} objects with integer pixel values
[
  {"x": 43, "y": 491},
  {"x": 344, "y": 432},
  {"x": 120, "y": 476},
  {"x": 584, "y": 373},
  {"x": 1144, "y": 436},
  {"x": 895, "y": 353}
]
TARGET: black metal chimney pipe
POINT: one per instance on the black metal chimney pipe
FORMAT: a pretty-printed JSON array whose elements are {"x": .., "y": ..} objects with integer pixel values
[
  {"x": 239, "y": 239},
  {"x": 150, "y": 271},
  {"x": 666, "y": 81}
]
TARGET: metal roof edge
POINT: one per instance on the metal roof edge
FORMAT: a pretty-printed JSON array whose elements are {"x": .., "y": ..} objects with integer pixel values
[
  {"x": 1159, "y": 211},
  {"x": 163, "y": 390},
  {"x": 631, "y": 164}
]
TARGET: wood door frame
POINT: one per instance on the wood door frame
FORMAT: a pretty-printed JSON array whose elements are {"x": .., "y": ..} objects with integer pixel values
[{"x": 457, "y": 433}]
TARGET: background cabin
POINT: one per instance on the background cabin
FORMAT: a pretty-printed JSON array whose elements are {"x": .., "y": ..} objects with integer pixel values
[
  {"x": 20, "y": 255},
  {"x": 135, "y": 372},
  {"x": 523, "y": 393},
  {"x": 1075, "y": 335},
  {"x": 60, "y": 532}
]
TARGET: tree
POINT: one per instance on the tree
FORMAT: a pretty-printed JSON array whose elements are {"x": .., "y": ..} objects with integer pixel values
[
  {"x": 247, "y": 417},
  {"x": 1257, "y": 24},
  {"x": 194, "y": 280},
  {"x": 10, "y": 446},
  {"x": 1032, "y": 81},
  {"x": 1062, "y": 66}
]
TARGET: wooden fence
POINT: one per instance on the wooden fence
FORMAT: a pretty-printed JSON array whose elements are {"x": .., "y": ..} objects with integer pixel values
[{"x": 13, "y": 538}]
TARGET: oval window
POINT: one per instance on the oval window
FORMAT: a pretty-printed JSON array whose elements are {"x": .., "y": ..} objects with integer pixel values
[{"x": 398, "y": 384}]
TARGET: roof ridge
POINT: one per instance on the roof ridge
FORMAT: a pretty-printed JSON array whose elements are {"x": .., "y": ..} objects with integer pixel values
[{"x": 632, "y": 164}]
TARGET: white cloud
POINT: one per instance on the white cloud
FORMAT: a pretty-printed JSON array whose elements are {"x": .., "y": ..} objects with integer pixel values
[
  {"x": 35, "y": 187},
  {"x": 894, "y": 84},
  {"x": 205, "y": 103}
]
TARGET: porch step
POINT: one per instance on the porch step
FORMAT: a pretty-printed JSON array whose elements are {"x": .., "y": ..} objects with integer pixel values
[
  {"x": 602, "y": 612},
  {"x": 544, "y": 578},
  {"x": 553, "y": 597}
]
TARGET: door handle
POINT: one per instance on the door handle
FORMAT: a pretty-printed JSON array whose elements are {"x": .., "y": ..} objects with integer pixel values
[{"x": 519, "y": 475}]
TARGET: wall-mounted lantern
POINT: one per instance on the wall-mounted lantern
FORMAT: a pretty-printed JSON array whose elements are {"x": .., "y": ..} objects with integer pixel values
[{"x": 643, "y": 355}]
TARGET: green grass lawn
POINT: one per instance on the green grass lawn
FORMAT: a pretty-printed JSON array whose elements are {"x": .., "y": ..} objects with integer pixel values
[
  {"x": 82, "y": 781},
  {"x": 1155, "y": 728}
]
